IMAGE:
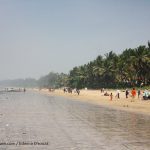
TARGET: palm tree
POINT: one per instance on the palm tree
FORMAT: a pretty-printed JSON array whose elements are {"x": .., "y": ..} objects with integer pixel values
[{"x": 132, "y": 65}]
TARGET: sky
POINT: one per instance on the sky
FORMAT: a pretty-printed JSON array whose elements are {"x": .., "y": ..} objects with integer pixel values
[{"x": 40, "y": 36}]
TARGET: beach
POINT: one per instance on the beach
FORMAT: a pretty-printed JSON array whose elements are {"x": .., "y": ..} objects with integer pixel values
[
  {"x": 98, "y": 98},
  {"x": 39, "y": 120}
]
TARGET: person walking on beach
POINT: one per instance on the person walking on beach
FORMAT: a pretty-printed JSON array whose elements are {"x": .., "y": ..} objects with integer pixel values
[
  {"x": 118, "y": 94},
  {"x": 78, "y": 91},
  {"x": 64, "y": 90},
  {"x": 101, "y": 90},
  {"x": 127, "y": 93},
  {"x": 111, "y": 96},
  {"x": 133, "y": 93},
  {"x": 139, "y": 93}
]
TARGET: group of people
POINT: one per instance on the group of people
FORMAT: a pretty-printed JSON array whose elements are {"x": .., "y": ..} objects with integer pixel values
[
  {"x": 132, "y": 94},
  {"x": 70, "y": 90},
  {"x": 145, "y": 95}
]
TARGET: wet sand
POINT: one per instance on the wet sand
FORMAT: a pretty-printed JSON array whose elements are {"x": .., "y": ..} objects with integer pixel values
[
  {"x": 96, "y": 97},
  {"x": 62, "y": 123}
]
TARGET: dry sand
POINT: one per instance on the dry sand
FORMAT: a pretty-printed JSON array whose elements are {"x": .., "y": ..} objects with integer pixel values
[{"x": 96, "y": 97}]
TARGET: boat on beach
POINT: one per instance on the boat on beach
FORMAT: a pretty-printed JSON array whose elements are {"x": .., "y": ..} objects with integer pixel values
[{"x": 15, "y": 90}]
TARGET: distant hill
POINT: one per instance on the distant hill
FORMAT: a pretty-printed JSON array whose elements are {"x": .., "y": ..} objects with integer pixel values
[{"x": 29, "y": 82}]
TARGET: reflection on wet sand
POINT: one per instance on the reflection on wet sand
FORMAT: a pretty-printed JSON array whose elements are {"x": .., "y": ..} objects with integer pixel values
[{"x": 69, "y": 124}]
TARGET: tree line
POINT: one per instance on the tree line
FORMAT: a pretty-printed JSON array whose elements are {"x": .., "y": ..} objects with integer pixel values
[{"x": 128, "y": 69}]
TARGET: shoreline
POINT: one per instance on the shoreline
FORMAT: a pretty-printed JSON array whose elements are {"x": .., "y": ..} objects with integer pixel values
[{"x": 98, "y": 98}]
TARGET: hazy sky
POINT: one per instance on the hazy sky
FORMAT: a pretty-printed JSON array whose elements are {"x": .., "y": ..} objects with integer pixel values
[{"x": 39, "y": 36}]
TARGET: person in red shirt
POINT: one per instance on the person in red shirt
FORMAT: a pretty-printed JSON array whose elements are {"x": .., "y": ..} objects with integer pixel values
[{"x": 133, "y": 93}]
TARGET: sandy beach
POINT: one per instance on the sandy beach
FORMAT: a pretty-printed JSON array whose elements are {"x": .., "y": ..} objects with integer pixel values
[{"x": 96, "y": 97}]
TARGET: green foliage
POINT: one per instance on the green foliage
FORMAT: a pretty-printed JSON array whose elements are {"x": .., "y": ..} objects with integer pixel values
[
  {"x": 131, "y": 68},
  {"x": 53, "y": 80}
]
